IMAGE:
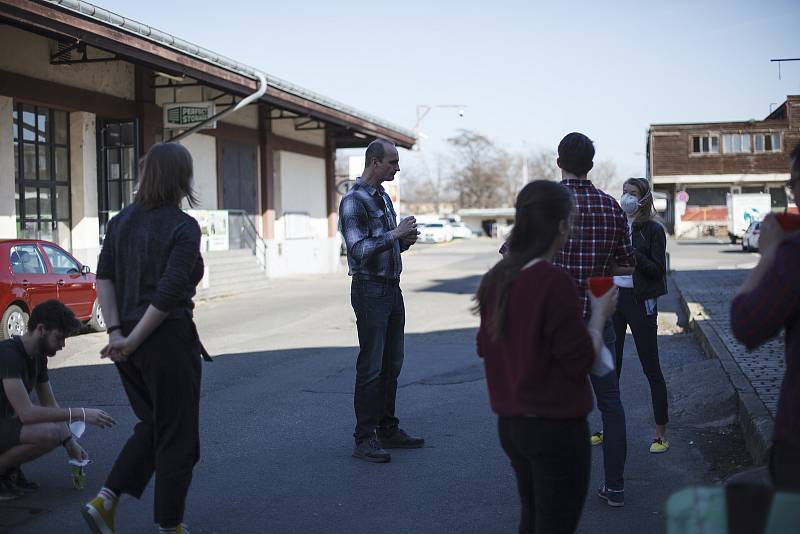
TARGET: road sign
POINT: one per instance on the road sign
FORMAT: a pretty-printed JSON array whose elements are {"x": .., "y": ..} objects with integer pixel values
[{"x": 344, "y": 186}]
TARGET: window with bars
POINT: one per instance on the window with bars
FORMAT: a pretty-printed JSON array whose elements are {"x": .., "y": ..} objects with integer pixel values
[{"x": 42, "y": 173}]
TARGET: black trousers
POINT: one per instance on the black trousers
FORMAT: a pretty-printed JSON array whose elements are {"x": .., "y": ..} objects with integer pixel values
[
  {"x": 552, "y": 463},
  {"x": 784, "y": 467},
  {"x": 645, "y": 335},
  {"x": 380, "y": 319},
  {"x": 162, "y": 380}
]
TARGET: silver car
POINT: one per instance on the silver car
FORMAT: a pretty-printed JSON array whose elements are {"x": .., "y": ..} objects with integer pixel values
[{"x": 750, "y": 238}]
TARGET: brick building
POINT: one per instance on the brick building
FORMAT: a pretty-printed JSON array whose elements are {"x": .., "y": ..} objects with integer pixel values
[{"x": 696, "y": 165}]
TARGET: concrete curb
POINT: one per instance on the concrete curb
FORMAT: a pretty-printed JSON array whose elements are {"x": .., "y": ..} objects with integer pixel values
[{"x": 753, "y": 417}]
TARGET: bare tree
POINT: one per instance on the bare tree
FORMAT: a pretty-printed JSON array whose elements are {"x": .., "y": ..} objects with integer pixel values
[
  {"x": 605, "y": 177},
  {"x": 482, "y": 174},
  {"x": 542, "y": 166}
]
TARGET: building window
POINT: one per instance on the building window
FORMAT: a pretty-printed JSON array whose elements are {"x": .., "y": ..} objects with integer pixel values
[
  {"x": 41, "y": 173},
  {"x": 705, "y": 144},
  {"x": 767, "y": 142},
  {"x": 118, "y": 169},
  {"x": 736, "y": 143},
  {"x": 707, "y": 196}
]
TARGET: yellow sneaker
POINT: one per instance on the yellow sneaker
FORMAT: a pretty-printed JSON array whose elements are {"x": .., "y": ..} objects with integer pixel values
[
  {"x": 659, "y": 445},
  {"x": 596, "y": 439},
  {"x": 99, "y": 515},
  {"x": 181, "y": 529}
]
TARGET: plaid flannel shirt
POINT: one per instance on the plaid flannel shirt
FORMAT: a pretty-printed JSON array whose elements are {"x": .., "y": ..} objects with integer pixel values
[
  {"x": 367, "y": 216},
  {"x": 760, "y": 314},
  {"x": 598, "y": 240}
]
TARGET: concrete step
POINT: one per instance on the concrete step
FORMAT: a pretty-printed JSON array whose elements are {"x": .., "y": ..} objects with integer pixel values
[
  {"x": 233, "y": 260},
  {"x": 233, "y": 269},
  {"x": 234, "y": 288}
]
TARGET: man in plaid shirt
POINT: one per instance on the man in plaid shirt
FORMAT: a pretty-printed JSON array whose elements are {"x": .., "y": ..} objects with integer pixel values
[
  {"x": 767, "y": 302},
  {"x": 374, "y": 242},
  {"x": 598, "y": 245}
]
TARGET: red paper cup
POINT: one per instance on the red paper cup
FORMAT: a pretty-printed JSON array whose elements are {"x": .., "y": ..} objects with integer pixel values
[
  {"x": 600, "y": 285},
  {"x": 790, "y": 222}
]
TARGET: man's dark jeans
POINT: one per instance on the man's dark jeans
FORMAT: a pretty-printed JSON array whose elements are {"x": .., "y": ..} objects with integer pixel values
[
  {"x": 380, "y": 318},
  {"x": 615, "y": 439},
  {"x": 551, "y": 460}
]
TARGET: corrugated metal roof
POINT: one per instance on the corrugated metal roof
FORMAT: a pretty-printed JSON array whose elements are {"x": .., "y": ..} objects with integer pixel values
[{"x": 185, "y": 47}]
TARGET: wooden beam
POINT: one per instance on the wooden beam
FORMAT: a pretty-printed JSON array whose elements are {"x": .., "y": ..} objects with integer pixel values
[
  {"x": 292, "y": 145},
  {"x": 147, "y": 112},
  {"x": 330, "y": 181},
  {"x": 267, "y": 174},
  {"x": 64, "y": 97}
]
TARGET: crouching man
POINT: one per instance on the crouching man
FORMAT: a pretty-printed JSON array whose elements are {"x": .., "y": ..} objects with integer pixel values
[{"x": 28, "y": 431}]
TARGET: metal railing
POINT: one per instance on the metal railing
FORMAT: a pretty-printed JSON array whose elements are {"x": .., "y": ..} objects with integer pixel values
[{"x": 242, "y": 235}]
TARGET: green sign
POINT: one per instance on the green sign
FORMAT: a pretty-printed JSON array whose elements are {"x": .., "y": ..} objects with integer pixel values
[{"x": 182, "y": 115}]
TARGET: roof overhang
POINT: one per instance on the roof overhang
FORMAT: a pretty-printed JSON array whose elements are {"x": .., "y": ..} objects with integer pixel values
[{"x": 148, "y": 47}]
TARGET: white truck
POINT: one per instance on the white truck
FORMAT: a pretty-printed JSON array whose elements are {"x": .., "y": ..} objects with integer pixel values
[{"x": 743, "y": 209}]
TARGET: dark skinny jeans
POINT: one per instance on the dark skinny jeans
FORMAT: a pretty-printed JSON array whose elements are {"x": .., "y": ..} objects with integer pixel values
[
  {"x": 645, "y": 335},
  {"x": 552, "y": 463}
]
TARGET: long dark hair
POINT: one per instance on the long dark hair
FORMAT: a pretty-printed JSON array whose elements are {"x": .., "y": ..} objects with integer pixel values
[
  {"x": 541, "y": 206},
  {"x": 166, "y": 180}
]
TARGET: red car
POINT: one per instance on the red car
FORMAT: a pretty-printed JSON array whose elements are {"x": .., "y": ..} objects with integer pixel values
[{"x": 33, "y": 271}]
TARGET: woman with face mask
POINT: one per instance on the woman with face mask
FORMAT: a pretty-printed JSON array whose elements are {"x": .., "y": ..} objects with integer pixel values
[{"x": 638, "y": 298}]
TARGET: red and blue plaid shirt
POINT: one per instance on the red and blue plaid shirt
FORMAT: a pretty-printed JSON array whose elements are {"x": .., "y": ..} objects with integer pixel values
[
  {"x": 598, "y": 239},
  {"x": 760, "y": 314}
]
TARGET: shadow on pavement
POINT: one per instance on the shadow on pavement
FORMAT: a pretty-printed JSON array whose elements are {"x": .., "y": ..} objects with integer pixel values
[{"x": 460, "y": 286}]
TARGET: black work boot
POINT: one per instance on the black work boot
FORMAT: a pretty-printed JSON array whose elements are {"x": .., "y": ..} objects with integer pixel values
[
  {"x": 370, "y": 450},
  {"x": 397, "y": 438}
]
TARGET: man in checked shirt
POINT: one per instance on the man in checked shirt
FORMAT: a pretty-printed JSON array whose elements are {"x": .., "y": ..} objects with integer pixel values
[
  {"x": 374, "y": 242},
  {"x": 598, "y": 245}
]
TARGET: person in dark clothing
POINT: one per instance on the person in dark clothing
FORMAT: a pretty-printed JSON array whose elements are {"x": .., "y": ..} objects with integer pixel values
[
  {"x": 28, "y": 431},
  {"x": 638, "y": 298},
  {"x": 149, "y": 268},
  {"x": 538, "y": 352},
  {"x": 768, "y": 302},
  {"x": 598, "y": 245},
  {"x": 374, "y": 242}
]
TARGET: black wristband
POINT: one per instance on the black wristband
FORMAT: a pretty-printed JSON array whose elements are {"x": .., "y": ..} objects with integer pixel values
[
  {"x": 66, "y": 440},
  {"x": 111, "y": 329}
]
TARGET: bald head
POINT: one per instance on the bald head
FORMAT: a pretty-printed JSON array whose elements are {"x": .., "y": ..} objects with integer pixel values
[{"x": 381, "y": 161}]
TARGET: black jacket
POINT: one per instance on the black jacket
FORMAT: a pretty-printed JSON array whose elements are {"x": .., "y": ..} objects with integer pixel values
[{"x": 650, "y": 246}]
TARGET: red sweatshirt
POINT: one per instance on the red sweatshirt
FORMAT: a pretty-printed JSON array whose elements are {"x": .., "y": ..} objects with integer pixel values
[{"x": 541, "y": 365}]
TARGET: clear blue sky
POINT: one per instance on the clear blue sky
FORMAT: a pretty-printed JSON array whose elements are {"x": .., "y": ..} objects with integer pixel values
[{"x": 527, "y": 70}]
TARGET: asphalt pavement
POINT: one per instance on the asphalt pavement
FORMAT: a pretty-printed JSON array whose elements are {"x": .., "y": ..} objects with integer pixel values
[{"x": 277, "y": 419}]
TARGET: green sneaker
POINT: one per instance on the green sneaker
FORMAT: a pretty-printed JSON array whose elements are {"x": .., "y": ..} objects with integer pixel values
[
  {"x": 99, "y": 515},
  {"x": 659, "y": 446}
]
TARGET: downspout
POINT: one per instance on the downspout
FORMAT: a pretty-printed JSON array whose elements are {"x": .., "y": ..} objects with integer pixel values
[{"x": 262, "y": 88}]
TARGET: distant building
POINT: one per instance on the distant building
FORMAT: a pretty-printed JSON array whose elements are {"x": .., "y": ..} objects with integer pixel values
[{"x": 696, "y": 165}]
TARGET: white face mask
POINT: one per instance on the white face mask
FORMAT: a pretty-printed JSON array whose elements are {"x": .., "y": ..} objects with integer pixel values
[
  {"x": 629, "y": 203},
  {"x": 77, "y": 428}
]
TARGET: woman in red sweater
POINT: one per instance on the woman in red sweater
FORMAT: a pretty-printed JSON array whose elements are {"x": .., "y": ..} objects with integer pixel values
[{"x": 538, "y": 352}]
